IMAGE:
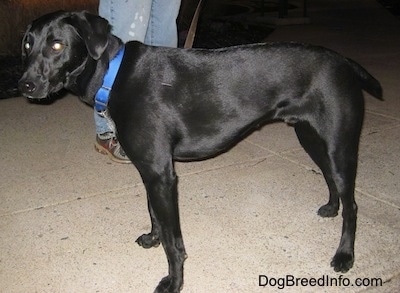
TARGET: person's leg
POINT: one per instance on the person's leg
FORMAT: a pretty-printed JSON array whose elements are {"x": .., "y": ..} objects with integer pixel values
[
  {"x": 150, "y": 21},
  {"x": 106, "y": 142},
  {"x": 102, "y": 125},
  {"x": 129, "y": 18},
  {"x": 162, "y": 29}
]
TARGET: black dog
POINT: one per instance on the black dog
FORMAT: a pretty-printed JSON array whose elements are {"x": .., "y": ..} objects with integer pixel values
[{"x": 175, "y": 104}]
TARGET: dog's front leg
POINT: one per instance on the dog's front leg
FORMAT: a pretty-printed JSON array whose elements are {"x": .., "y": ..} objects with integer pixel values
[
  {"x": 162, "y": 194},
  {"x": 153, "y": 238}
]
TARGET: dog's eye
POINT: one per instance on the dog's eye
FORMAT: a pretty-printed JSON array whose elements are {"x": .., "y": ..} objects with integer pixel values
[{"x": 57, "y": 46}]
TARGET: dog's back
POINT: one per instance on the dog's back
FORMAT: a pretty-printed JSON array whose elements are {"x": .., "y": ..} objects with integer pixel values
[{"x": 227, "y": 92}]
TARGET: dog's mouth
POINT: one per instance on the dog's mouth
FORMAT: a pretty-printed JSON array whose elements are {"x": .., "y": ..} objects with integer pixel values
[
  {"x": 33, "y": 98},
  {"x": 34, "y": 95},
  {"x": 45, "y": 99}
]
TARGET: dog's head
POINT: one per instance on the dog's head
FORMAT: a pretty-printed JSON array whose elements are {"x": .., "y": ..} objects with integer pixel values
[{"x": 56, "y": 48}]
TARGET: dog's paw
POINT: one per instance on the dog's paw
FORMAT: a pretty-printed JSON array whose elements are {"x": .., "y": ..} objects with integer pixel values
[
  {"x": 148, "y": 240},
  {"x": 328, "y": 211},
  {"x": 169, "y": 285},
  {"x": 342, "y": 262}
]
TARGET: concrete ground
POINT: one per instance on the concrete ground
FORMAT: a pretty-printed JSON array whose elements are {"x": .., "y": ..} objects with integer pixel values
[{"x": 69, "y": 216}]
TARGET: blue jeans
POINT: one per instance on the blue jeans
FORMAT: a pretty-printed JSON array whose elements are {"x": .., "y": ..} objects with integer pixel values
[{"x": 152, "y": 22}]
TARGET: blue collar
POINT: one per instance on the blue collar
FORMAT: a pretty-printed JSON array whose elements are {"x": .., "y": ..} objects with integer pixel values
[{"x": 101, "y": 97}]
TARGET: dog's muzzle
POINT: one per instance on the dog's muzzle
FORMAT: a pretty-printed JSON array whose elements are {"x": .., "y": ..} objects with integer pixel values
[{"x": 26, "y": 87}]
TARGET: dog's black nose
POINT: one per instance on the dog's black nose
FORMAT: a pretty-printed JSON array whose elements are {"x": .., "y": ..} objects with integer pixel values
[{"x": 27, "y": 87}]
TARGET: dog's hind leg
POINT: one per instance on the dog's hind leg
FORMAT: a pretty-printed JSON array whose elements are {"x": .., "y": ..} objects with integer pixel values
[
  {"x": 316, "y": 149},
  {"x": 334, "y": 148}
]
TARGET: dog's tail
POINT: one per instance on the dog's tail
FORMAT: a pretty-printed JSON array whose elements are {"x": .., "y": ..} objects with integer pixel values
[{"x": 369, "y": 83}]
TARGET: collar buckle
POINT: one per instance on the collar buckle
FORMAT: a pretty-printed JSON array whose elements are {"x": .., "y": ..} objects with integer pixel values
[{"x": 103, "y": 94}]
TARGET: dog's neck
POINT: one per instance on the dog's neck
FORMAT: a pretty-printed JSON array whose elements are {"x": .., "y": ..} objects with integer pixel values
[{"x": 91, "y": 78}]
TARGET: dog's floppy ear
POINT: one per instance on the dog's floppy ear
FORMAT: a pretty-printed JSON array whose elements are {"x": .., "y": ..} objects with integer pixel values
[{"x": 94, "y": 30}]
